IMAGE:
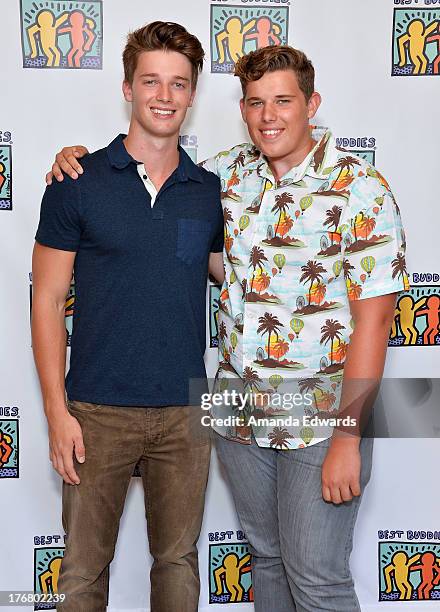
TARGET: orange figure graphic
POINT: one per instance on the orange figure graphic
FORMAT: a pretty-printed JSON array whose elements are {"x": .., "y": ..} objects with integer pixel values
[
  {"x": 231, "y": 570},
  {"x": 233, "y": 37},
  {"x": 265, "y": 34},
  {"x": 2, "y": 175},
  {"x": 245, "y": 570},
  {"x": 415, "y": 39},
  {"x": 436, "y": 62},
  {"x": 430, "y": 574},
  {"x": 406, "y": 310},
  {"x": 432, "y": 312},
  {"x": 46, "y": 27},
  {"x": 49, "y": 578},
  {"x": 400, "y": 566},
  {"x": 5, "y": 448},
  {"x": 79, "y": 26}
]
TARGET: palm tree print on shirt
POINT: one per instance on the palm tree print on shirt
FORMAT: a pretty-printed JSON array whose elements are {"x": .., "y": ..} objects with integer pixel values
[
  {"x": 331, "y": 333},
  {"x": 229, "y": 240},
  {"x": 313, "y": 273},
  {"x": 284, "y": 224},
  {"x": 331, "y": 242},
  {"x": 279, "y": 438},
  {"x": 361, "y": 237},
  {"x": 344, "y": 178},
  {"x": 310, "y": 385},
  {"x": 260, "y": 279},
  {"x": 276, "y": 346},
  {"x": 399, "y": 267}
]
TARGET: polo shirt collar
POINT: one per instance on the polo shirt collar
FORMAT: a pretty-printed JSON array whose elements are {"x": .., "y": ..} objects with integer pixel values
[
  {"x": 120, "y": 158},
  {"x": 321, "y": 158},
  {"x": 118, "y": 155},
  {"x": 187, "y": 169}
]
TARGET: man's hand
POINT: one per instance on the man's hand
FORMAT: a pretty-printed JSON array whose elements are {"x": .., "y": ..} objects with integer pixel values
[
  {"x": 362, "y": 374},
  {"x": 215, "y": 267},
  {"x": 66, "y": 161},
  {"x": 65, "y": 438},
  {"x": 341, "y": 470}
]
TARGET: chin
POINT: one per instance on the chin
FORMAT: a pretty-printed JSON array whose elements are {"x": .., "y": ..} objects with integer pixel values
[{"x": 273, "y": 150}]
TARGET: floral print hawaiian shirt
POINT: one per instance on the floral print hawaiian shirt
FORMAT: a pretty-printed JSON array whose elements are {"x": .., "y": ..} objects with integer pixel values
[{"x": 296, "y": 252}]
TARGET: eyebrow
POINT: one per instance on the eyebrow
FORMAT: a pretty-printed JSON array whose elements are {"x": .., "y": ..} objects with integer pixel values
[
  {"x": 154, "y": 74},
  {"x": 279, "y": 96}
]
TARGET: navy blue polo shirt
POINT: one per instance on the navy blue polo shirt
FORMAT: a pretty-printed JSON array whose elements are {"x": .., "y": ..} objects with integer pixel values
[{"x": 140, "y": 276}]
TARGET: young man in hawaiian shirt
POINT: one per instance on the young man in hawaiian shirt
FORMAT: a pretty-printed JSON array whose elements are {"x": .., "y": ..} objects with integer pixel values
[{"x": 314, "y": 257}]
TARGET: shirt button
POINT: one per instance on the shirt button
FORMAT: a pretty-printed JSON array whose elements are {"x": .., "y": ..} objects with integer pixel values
[{"x": 145, "y": 177}]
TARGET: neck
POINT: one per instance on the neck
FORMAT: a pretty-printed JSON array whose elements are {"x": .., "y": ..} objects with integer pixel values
[
  {"x": 281, "y": 166},
  {"x": 160, "y": 156}
]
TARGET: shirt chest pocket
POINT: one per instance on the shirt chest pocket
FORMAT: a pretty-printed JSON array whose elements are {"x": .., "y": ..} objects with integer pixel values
[{"x": 193, "y": 240}]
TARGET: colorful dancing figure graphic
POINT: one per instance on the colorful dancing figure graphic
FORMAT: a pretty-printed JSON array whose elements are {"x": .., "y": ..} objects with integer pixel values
[
  {"x": 2, "y": 175},
  {"x": 436, "y": 62},
  {"x": 231, "y": 570},
  {"x": 266, "y": 33},
  {"x": 233, "y": 37},
  {"x": 430, "y": 571},
  {"x": 5, "y": 448},
  {"x": 414, "y": 40},
  {"x": 432, "y": 312},
  {"x": 45, "y": 30},
  {"x": 79, "y": 27},
  {"x": 400, "y": 566}
]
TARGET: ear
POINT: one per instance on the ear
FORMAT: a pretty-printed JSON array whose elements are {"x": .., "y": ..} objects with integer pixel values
[
  {"x": 191, "y": 99},
  {"x": 313, "y": 104},
  {"x": 243, "y": 109},
  {"x": 127, "y": 91}
]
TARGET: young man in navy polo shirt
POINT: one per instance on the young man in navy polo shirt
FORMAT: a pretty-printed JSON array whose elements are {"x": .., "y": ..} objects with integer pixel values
[{"x": 139, "y": 229}]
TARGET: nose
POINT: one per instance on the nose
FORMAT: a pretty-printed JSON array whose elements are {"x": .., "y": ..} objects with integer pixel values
[
  {"x": 269, "y": 112},
  {"x": 164, "y": 93}
]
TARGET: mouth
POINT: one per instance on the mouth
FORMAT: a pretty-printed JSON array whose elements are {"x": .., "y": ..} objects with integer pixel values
[
  {"x": 162, "y": 113},
  {"x": 271, "y": 134}
]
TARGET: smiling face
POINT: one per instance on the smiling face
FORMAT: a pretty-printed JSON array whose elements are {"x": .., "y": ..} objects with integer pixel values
[
  {"x": 277, "y": 116},
  {"x": 160, "y": 93}
]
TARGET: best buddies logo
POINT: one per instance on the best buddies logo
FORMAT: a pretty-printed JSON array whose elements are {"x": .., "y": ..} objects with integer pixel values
[
  {"x": 61, "y": 34},
  {"x": 409, "y": 565},
  {"x": 5, "y": 171},
  {"x": 237, "y": 30},
  {"x": 230, "y": 579},
  {"x": 417, "y": 315},
  {"x": 48, "y": 554},
  {"x": 362, "y": 147},
  {"x": 416, "y": 39},
  {"x": 9, "y": 442}
]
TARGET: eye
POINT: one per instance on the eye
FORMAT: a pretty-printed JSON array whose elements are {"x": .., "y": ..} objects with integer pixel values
[
  {"x": 179, "y": 85},
  {"x": 256, "y": 103},
  {"x": 282, "y": 102},
  {"x": 149, "y": 82}
]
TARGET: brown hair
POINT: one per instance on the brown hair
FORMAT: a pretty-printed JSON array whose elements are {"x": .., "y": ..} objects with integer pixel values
[
  {"x": 255, "y": 64},
  {"x": 164, "y": 36}
]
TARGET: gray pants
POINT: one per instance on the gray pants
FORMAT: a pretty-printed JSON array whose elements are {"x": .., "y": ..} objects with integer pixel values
[{"x": 300, "y": 544}]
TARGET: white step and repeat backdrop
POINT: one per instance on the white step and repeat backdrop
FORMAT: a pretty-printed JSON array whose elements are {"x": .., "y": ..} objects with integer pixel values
[{"x": 377, "y": 63}]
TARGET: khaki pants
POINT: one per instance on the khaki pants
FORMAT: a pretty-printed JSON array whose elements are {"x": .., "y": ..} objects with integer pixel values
[{"x": 173, "y": 451}]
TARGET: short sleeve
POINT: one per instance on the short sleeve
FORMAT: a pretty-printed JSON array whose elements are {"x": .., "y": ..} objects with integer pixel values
[
  {"x": 60, "y": 222},
  {"x": 373, "y": 240}
]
